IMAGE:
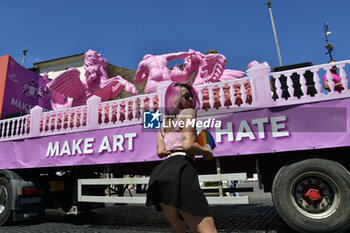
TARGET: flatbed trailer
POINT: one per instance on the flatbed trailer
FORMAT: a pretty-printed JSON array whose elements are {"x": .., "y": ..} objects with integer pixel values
[{"x": 298, "y": 145}]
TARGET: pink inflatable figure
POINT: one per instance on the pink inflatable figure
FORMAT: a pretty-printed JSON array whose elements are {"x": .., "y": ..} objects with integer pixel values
[
  {"x": 154, "y": 69},
  {"x": 68, "y": 84}
]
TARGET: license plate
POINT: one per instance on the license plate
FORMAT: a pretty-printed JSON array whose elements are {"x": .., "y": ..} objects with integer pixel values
[{"x": 56, "y": 186}]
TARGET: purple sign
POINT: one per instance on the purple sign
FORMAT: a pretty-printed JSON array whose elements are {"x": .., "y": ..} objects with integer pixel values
[
  {"x": 22, "y": 90},
  {"x": 299, "y": 127}
]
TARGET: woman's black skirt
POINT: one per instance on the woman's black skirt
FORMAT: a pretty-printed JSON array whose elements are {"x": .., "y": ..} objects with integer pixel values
[{"x": 175, "y": 182}]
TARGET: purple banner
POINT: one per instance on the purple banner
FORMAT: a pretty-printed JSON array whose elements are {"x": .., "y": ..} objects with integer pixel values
[
  {"x": 116, "y": 145},
  {"x": 22, "y": 90},
  {"x": 301, "y": 127}
]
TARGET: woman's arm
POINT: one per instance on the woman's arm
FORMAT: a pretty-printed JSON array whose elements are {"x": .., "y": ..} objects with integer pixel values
[
  {"x": 189, "y": 143},
  {"x": 161, "y": 146}
]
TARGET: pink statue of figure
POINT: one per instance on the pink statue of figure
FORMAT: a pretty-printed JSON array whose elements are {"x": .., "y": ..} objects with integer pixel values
[
  {"x": 154, "y": 69},
  {"x": 209, "y": 68},
  {"x": 68, "y": 84}
]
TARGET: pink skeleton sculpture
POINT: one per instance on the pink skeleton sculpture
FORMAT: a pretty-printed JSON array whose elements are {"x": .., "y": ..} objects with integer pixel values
[{"x": 68, "y": 84}]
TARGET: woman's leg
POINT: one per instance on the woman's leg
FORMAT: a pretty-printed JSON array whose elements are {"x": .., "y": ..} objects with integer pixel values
[
  {"x": 173, "y": 216},
  {"x": 200, "y": 224}
]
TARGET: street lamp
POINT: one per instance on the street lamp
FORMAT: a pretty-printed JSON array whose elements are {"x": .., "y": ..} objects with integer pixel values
[
  {"x": 24, "y": 56},
  {"x": 329, "y": 46},
  {"x": 274, "y": 32}
]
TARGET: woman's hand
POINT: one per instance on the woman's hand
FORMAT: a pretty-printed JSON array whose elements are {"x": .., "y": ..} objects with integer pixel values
[{"x": 208, "y": 155}]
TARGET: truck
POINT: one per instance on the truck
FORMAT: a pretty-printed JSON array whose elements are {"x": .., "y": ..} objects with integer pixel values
[{"x": 298, "y": 144}]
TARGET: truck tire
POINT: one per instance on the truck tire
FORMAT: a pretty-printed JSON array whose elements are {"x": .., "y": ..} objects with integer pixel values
[
  {"x": 313, "y": 195},
  {"x": 5, "y": 201}
]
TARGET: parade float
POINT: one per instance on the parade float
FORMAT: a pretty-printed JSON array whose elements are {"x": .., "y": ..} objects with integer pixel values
[{"x": 293, "y": 133}]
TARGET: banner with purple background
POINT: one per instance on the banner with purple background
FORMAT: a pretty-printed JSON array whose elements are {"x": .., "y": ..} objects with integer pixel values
[
  {"x": 23, "y": 90},
  {"x": 298, "y": 127}
]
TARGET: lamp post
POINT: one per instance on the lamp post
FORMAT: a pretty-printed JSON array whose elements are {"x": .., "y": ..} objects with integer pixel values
[
  {"x": 24, "y": 56},
  {"x": 329, "y": 46},
  {"x": 274, "y": 33}
]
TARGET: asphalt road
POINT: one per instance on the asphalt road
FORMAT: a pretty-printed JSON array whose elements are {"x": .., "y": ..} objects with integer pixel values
[{"x": 259, "y": 216}]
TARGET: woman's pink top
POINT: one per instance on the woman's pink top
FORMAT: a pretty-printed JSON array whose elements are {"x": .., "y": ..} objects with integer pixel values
[{"x": 173, "y": 140}]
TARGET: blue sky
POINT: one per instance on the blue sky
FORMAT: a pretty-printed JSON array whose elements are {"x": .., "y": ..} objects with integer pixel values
[{"x": 124, "y": 31}]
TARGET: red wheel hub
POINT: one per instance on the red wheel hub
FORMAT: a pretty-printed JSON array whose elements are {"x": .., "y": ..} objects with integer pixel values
[{"x": 312, "y": 194}]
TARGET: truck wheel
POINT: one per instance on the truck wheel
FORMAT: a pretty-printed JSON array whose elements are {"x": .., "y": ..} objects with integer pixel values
[
  {"x": 313, "y": 195},
  {"x": 5, "y": 201}
]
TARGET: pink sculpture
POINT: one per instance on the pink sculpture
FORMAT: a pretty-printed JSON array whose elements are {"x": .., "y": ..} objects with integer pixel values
[
  {"x": 68, "y": 84},
  {"x": 154, "y": 69},
  {"x": 209, "y": 68}
]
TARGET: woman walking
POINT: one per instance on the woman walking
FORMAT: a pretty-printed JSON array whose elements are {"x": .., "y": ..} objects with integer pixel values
[{"x": 174, "y": 186}]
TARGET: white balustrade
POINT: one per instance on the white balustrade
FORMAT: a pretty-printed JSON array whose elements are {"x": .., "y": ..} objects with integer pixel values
[
  {"x": 211, "y": 97},
  {"x": 82, "y": 113},
  {"x": 151, "y": 104},
  {"x": 232, "y": 96},
  {"x": 278, "y": 86},
  {"x": 290, "y": 87},
  {"x": 342, "y": 75},
  {"x": 330, "y": 80},
  {"x": 244, "y": 94},
  {"x": 110, "y": 114},
  {"x": 222, "y": 98},
  {"x": 103, "y": 114},
  {"x": 303, "y": 84},
  {"x": 317, "y": 81},
  {"x": 86, "y": 117}
]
